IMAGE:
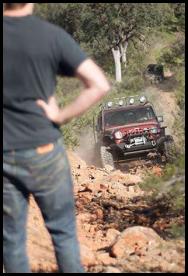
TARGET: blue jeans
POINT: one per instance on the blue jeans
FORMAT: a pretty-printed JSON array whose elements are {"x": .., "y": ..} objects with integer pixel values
[{"x": 47, "y": 177}]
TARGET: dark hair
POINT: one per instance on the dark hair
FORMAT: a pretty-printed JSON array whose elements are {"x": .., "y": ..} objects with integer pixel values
[{"x": 12, "y": 6}]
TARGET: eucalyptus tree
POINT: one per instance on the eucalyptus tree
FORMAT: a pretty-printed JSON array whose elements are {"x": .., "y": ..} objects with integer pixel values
[{"x": 108, "y": 28}]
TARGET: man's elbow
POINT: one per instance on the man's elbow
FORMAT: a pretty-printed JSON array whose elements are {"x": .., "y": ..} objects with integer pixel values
[{"x": 104, "y": 88}]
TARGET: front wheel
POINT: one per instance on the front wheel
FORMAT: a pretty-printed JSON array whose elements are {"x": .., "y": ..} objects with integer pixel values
[
  {"x": 106, "y": 157},
  {"x": 170, "y": 150}
]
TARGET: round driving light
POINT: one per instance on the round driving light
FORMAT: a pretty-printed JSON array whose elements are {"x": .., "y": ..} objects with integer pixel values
[
  {"x": 118, "y": 135},
  {"x": 142, "y": 99},
  {"x": 154, "y": 130},
  {"x": 109, "y": 104},
  {"x": 131, "y": 101},
  {"x": 121, "y": 102}
]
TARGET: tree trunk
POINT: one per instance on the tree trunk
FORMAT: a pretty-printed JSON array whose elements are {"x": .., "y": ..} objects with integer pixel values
[
  {"x": 117, "y": 61},
  {"x": 123, "y": 50}
]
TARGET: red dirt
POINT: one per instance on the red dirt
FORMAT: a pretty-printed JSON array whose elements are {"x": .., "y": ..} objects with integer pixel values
[{"x": 102, "y": 216}]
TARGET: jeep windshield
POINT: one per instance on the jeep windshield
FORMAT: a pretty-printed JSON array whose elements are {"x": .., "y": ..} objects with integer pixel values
[{"x": 128, "y": 116}]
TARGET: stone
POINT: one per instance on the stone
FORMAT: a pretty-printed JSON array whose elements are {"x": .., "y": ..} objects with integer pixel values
[
  {"x": 99, "y": 213},
  {"x": 105, "y": 259},
  {"x": 111, "y": 269},
  {"x": 88, "y": 258},
  {"x": 109, "y": 168},
  {"x": 112, "y": 234},
  {"x": 134, "y": 238}
]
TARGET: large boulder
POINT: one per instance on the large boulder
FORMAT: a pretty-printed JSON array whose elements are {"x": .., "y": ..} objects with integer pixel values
[{"x": 134, "y": 239}]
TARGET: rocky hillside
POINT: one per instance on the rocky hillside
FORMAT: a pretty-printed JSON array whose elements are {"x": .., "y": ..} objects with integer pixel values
[{"x": 117, "y": 229}]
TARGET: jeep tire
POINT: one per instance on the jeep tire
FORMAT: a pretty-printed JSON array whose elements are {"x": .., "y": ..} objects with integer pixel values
[
  {"x": 106, "y": 157},
  {"x": 169, "y": 151}
]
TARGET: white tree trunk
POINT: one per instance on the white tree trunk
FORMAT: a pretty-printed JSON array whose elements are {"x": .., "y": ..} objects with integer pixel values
[
  {"x": 117, "y": 61},
  {"x": 123, "y": 50}
]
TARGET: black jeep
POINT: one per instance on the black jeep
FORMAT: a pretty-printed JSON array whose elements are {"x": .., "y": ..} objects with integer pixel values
[{"x": 154, "y": 73}]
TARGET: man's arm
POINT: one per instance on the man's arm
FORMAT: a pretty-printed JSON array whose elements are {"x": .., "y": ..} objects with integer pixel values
[{"x": 96, "y": 87}]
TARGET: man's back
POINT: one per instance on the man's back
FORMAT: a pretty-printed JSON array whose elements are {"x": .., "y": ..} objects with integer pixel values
[
  {"x": 34, "y": 52},
  {"x": 34, "y": 160}
]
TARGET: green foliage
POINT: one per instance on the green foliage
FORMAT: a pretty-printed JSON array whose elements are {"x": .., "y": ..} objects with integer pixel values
[
  {"x": 175, "y": 169},
  {"x": 170, "y": 186},
  {"x": 179, "y": 17},
  {"x": 65, "y": 15},
  {"x": 174, "y": 56},
  {"x": 180, "y": 93},
  {"x": 177, "y": 231},
  {"x": 168, "y": 193},
  {"x": 108, "y": 24},
  {"x": 99, "y": 27}
]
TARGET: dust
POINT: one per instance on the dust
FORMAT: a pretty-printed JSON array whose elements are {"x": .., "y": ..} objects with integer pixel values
[
  {"x": 87, "y": 149},
  {"x": 164, "y": 104}
]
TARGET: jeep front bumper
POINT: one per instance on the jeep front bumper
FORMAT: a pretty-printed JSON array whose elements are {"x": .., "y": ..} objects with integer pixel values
[{"x": 137, "y": 149}]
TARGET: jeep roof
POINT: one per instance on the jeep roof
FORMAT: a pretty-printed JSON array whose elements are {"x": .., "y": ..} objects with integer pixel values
[
  {"x": 125, "y": 102},
  {"x": 130, "y": 107}
]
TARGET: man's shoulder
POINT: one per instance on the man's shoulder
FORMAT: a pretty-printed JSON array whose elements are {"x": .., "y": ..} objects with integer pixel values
[{"x": 48, "y": 25}]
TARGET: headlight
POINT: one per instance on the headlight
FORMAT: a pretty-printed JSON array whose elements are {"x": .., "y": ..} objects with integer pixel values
[
  {"x": 143, "y": 99},
  {"x": 118, "y": 135},
  {"x": 154, "y": 130}
]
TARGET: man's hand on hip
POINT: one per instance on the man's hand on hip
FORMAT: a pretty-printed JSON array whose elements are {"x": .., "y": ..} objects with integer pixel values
[
  {"x": 51, "y": 110},
  {"x": 96, "y": 87}
]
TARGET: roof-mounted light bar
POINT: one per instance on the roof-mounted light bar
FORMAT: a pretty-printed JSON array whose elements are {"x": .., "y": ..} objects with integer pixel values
[
  {"x": 131, "y": 101},
  {"x": 109, "y": 104},
  {"x": 125, "y": 101},
  {"x": 143, "y": 100}
]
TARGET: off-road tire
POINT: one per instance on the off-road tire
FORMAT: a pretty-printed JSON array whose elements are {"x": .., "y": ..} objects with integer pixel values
[
  {"x": 170, "y": 151},
  {"x": 106, "y": 157}
]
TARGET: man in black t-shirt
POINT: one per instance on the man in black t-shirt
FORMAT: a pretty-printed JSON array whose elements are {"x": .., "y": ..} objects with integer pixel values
[{"x": 35, "y": 52}]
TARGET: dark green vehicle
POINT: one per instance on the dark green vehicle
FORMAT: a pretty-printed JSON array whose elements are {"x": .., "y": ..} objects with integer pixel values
[{"x": 154, "y": 73}]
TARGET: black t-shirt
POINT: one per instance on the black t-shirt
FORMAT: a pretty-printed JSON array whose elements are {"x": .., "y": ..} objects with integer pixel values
[{"x": 34, "y": 53}]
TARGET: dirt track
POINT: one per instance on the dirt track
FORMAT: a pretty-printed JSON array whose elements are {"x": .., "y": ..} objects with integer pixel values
[
  {"x": 107, "y": 203},
  {"x": 163, "y": 98}
]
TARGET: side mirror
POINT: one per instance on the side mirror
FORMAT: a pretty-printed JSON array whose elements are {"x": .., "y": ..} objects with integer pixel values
[{"x": 160, "y": 119}]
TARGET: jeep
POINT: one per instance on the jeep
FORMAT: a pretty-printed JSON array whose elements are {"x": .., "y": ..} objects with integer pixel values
[
  {"x": 154, "y": 73},
  {"x": 128, "y": 128}
]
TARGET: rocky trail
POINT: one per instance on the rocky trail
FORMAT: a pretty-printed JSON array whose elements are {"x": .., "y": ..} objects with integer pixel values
[{"x": 117, "y": 229}]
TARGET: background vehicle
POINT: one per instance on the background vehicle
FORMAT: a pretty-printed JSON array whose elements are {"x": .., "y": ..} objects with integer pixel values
[
  {"x": 154, "y": 73},
  {"x": 128, "y": 128}
]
